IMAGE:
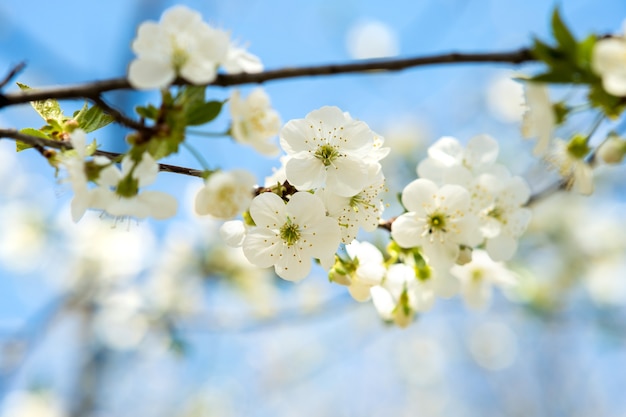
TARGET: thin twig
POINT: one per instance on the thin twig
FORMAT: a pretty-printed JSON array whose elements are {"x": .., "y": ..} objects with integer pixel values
[
  {"x": 14, "y": 71},
  {"x": 93, "y": 89},
  {"x": 117, "y": 115}
]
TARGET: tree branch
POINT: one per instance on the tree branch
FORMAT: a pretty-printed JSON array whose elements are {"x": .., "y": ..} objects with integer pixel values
[{"x": 94, "y": 89}]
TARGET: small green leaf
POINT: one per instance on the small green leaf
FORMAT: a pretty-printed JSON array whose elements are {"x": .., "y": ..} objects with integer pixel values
[
  {"x": 47, "y": 109},
  {"x": 93, "y": 119},
  {"x": 203, "y": 113},
  {"x": 149, "y": 112},
  {"x": 192, "y": 94},
  {"x": 20, "y": 146},
  {"x": 611, "y": 106},
  {"x": 563, "y": 36}
]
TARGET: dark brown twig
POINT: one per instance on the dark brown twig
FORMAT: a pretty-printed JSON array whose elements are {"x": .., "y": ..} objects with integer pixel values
[{"x": 96, "y": 88}]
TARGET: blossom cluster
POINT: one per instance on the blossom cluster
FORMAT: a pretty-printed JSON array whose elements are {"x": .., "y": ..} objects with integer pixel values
[
  {"x": 182, "y": 45},
  {"x": 331, "y": 165}
]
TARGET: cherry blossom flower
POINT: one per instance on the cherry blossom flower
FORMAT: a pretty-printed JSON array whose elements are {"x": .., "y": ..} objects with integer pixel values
[
  {"x": 181, "y": 44},
  {"x": 288, "y": 235},
  {"x": 362, "y": 210},
  {"x": 239, "y": 60},
  {"x": 479, "y": 276},
  {"x": 367, "y": 269},
  {"x": 608, "y": 60},
  {"x": 254, "y": 122},
  {"x": 569, "y": 159},
  {"x": 438, "y": 220},
  {"x": 497, "y": 202},
  {"x": 329, "y": 148},
  {"x": 126, "y": 200},
  {"x": 539, "y": 119},
  {"x": 225, "y": 194},
  {"x": 401, "y": 294},
  {"x": 477, "y": 157},
  {"x": 233, "y": 233},
  {"x": 75, "y": 163}
]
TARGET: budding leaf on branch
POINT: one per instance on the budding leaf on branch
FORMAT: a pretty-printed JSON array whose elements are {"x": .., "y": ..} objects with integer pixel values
[
  {"x": 47, "y": 109},
  {"x": 90, "y": 119},
  {"x": 562, "y": 34},
  {"x": 20, "y": 146},
  {"x": 149, "y": 112},
  {"x": 199, "y": 114}
]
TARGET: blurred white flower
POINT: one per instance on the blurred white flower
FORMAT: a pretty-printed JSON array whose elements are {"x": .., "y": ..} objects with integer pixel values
[
  {"x": 608, "y": 60},
  {"x": 539, "y": 120},
  {"x": 239, "y": 60},
  {"x": 479, "y": 276},
  {"x": 225, "y": 194},
  {"x": 31, "y": 404},
  {"x": 181, "y": 44},
  {"x": 569, "y": 159},
  {"x": 127, "y": 200},
  {"x": 254, "y": 121}
]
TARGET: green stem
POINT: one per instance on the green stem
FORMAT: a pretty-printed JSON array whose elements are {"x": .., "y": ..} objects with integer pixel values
[
  {"x": 197, "y": 155},
  {"x": 207, "y": 134}
]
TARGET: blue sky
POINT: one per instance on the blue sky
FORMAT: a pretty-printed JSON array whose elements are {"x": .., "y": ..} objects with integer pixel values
[{"x": 358, "y": 358}]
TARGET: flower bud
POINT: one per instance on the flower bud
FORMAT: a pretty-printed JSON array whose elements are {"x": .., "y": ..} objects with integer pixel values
[{"x": 612, "y": 150}]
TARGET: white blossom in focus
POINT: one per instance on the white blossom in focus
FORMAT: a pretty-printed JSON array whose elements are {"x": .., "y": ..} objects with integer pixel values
[
  {"x": 254, "y": 122},
  {"x": 122, "y": 202},
  {"x": 438, "y": 220},
  {"x": 479, "y": 276},
  {"x": 362, "y": 210},
  {"x": 608, "y": 60},
  {"x": 328, "y": 148},
  {"x": 370, "y": 269},
  {"x": 225, "y": 194},
  {"x": 287, "y": 236},
  {"x": 181, "y": 44},
  {"x": 539, "y": 119}
]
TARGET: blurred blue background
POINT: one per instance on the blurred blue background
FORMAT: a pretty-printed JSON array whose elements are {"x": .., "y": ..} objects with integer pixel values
[{"x": 83, "y": 341}]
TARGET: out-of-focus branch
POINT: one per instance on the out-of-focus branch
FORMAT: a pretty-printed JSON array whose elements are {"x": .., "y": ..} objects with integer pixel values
[{"x": 96, "y": 88}]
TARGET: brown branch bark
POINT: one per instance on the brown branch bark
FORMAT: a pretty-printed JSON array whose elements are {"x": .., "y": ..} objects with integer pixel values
[{"x": 96, "y": 88}]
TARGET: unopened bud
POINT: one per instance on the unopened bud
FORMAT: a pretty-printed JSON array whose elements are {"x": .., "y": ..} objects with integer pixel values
[
  {"x": 612, "y": 150},
  {"x": 465, "y": 256}
]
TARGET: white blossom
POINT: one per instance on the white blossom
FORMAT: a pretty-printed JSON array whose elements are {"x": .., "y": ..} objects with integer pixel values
[
  {"x": 477, "y": 157},
  {"x": 225, "y": 194},
  {"x": 370, "y": 269},
  {"x": 569, "y": 159},
  {"x": 181, "y": 44},
  {"x": 239, "y": 60},
  {"x": 438, "y": 220},
  {"x": 254, "y": 122},
  {"x": 497, "y": 202},
  {"x": 233, "y": 233},
  {"x": 329, "y": 148},
  {"x": 608, "y": 60},
  {"x": 362, "y": 210},
  {"x": 288, "y": 235},
  {"x": 479, "y": 276},
  {"x": 123, "y": 202},
  {"x": 539, "y": 119}
]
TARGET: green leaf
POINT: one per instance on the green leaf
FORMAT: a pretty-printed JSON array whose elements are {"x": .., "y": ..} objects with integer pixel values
[
  {"x": 93, "y": 119},
  {"x": 585, "y": 49},
  {"x": 611, "y": 106},
  {"x": 20, "y": 146},
  {"x": 47, "y": 109},
  {"x": 192, "y": 94},
  {"x": 562, "y": 34},
  {"x": 203, "y": 113},
  {"x": 149, "y": 112}
]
